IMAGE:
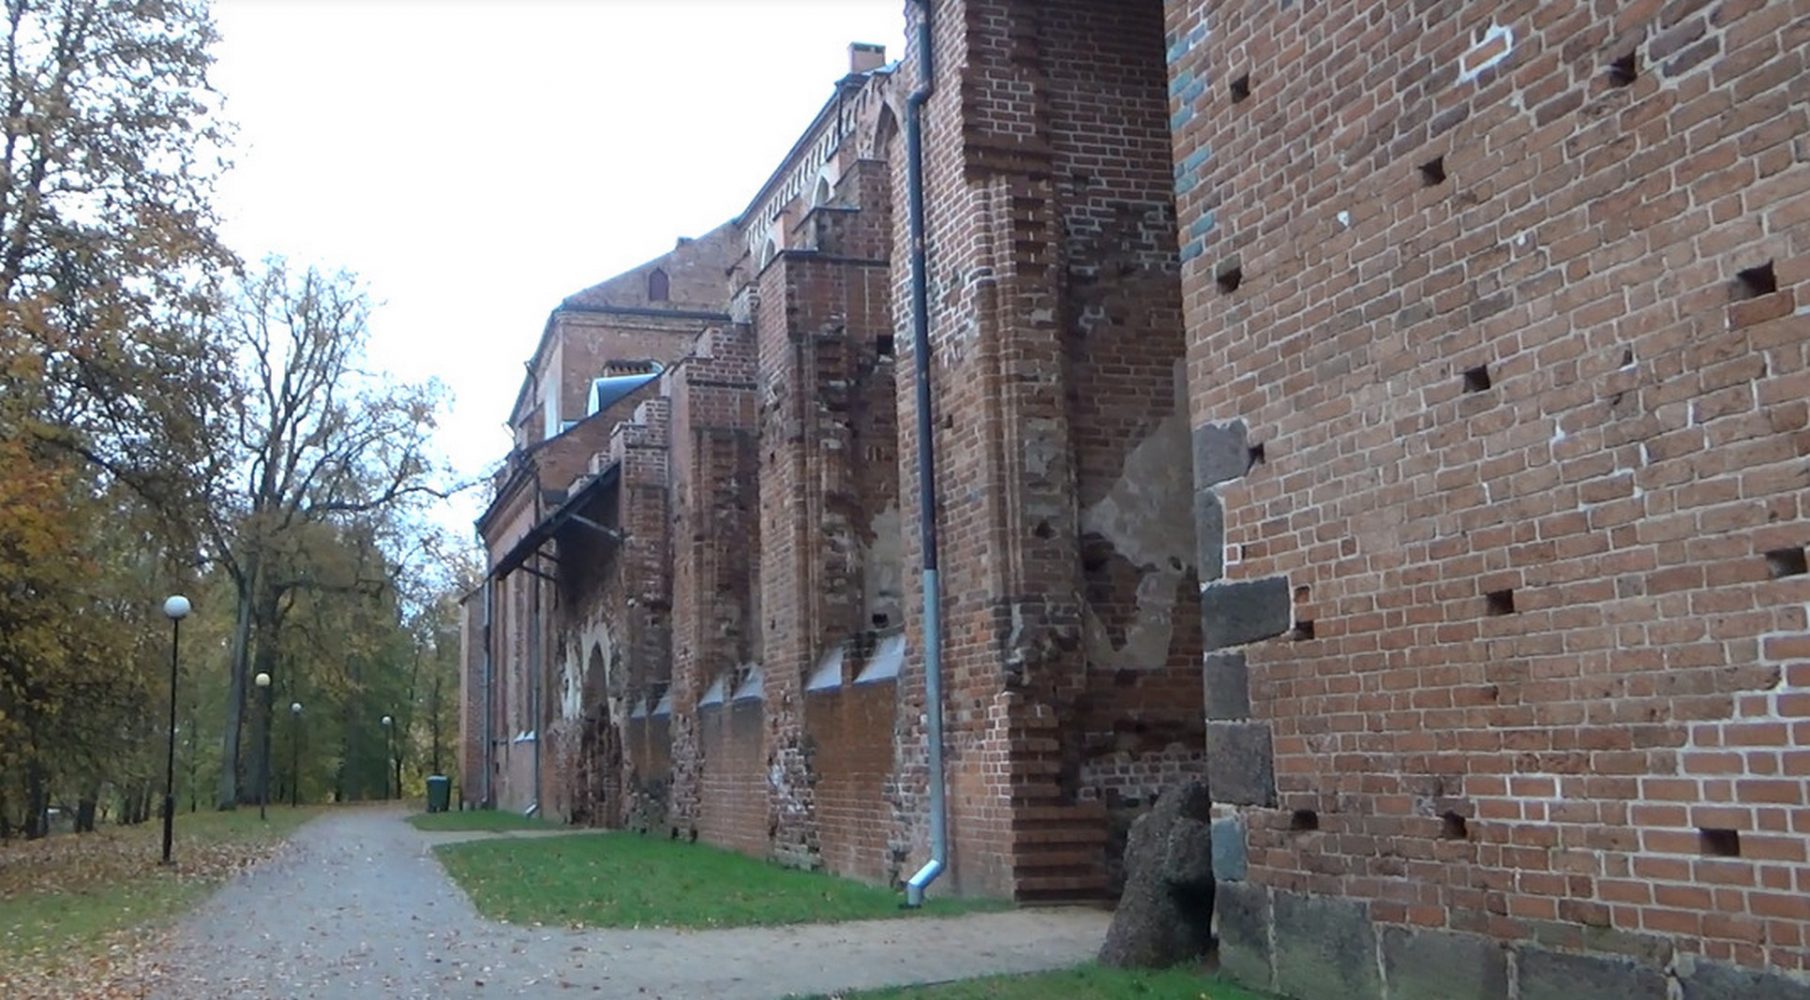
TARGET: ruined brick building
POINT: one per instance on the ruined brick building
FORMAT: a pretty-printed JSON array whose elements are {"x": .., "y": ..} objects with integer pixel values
[{"x": 1397, "y": 413}]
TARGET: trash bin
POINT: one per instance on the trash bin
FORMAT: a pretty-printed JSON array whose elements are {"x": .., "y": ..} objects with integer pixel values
[{"x": 439, "y": 792}]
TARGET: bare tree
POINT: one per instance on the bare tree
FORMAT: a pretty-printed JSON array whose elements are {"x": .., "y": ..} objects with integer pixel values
[{"x": 317, "y": 441}]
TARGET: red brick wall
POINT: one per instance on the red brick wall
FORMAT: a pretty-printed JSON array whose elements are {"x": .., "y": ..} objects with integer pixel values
[
  {"x": 733, "y": 791},
  {"x": 1533, "y": 464},
  {"x": 849, "y": 728},
  {"x": 715, "y": 542},
  {"x": 1056, "y": 321},
  {"x": 471, "y": 697}
]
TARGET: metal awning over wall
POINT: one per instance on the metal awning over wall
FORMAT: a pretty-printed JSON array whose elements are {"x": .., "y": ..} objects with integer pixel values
[{"x": 566, "y": 513}]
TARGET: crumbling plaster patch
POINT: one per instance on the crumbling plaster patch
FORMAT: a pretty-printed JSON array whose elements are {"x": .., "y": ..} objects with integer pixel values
[
  {"x": 883, "y": 566},
  {"x": 593, "y": 634},
  {"x": 1145, "y": 515}
]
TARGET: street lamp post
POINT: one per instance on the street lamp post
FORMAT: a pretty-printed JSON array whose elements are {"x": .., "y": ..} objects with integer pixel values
[
  {"x": 387, "y": 731},
  {"x": 263, "y": 682},
  {"x": 175, "y": 608},
  {"x": 295, "y": 753}
]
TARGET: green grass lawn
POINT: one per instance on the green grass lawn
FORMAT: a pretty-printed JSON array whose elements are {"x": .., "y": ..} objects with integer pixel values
[
  {"x": 66, "y": 897},
  {"x": 626, "y": 880},
  {"x": 480, "y": 819},
  {"x": 1089, "y": 982}
]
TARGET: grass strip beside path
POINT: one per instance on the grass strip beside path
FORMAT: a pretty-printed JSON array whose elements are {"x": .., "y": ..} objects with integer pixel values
[
  {"x": 627, "y": 880},
  {"x": 479, "y": 819},
  {"x": 1088, "y": 982},
  {"x": 75, "y": 906}
]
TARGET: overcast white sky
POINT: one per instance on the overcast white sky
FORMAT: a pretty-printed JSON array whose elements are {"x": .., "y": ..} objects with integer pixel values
[{"x": 478, "y": 160}]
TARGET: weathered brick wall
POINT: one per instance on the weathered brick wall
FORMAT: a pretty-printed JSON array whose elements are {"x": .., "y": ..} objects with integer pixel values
[
  {"x": 850, "y": 728},
  {"x": 734, "y": 809},
  {"x": 648, "y": 770},
  {"x": 471, "y": 698},
  {"x": 1510, "y": 298},
  {"x": 819, "y": 326},
  {"x": 715, "y": 535},
  {"x": 1056, "y": 321}
]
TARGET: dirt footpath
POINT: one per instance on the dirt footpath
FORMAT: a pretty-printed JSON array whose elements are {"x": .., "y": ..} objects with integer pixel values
[{"x": 357, "y": 907}]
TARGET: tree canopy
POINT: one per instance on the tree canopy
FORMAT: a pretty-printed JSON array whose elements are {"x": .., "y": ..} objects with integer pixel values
[{"x": 173, "y": 420}]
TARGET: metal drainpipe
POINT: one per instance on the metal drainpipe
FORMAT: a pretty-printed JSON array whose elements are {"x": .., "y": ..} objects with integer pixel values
[
  {"x": 489, "y": 756},
  {"x": 920, "y": 348},
  {"x": 534, "y": 666}
]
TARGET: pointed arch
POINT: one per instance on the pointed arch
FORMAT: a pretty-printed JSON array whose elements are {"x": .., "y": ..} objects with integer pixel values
[
  {"x": 886, "y": 129},
  {"x": 659, "y": 286}
]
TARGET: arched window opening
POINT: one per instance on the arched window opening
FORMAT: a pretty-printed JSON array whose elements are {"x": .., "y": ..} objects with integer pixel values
[
  {"x": 823, "y": 195},
  {"x": 659, "y": 286},
  {"x": 885, "y": 130}
]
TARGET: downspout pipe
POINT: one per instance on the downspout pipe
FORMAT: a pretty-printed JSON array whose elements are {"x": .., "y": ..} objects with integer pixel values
[
  {"x": 534, "y": 679},
  {"x": 920, "y": 351}
]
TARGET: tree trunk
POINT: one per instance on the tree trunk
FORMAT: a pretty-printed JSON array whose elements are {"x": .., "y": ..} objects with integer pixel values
[
  {"x": 264, "y": 618},
  {"x": 37, "y": 801},
  {"x": 235, "y": 696},
  {"x": 84, "y": 813},
  {"x": 435, "y": 716}
]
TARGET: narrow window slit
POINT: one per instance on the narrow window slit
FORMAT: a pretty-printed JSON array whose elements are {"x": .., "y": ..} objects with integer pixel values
[
  {"x": 1241, "y": 88},
  {"x": 1755, "y": 282},
  {"x": 1476, "y": 379},
  {"x": 1622, "y": 72},
  {"x": 1719, "y": 843},
  {"x": 1229, "y": 279},
  {"x": 1782, "y": 563},
  {"x": 1500, "y": 602},
  {"x": 1432, "y": 172}
]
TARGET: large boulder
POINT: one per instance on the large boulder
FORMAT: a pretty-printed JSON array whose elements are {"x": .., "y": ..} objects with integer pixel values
[{"x": 1165, "y": 914}]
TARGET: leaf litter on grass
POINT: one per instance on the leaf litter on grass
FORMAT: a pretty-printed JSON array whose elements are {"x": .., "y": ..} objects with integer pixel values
[{"x": 83, "y": 915}]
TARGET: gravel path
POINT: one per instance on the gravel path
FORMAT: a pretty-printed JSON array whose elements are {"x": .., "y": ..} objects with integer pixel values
[{"x": 357, "y": 906}]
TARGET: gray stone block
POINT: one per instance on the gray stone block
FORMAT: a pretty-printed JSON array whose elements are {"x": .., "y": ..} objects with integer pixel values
[
  {"x": 1188, "y": 858},
  {"x": 1165, "y": 913},
  {"x": 1209, "y": 535},
  {"x": 1715, "y": 981},
  {"x": 1232, "y": 614},
  {"x": 1221, "y": 453},
  {"x": 1325, "y": 947},
  {"x": 1228, "y": 685},
  {"x": 1442, "y": 965},
  {"x": 1241, "y": 767},
  {"x": 1551, "y": 975},
  {"x": 1231, "y": 862},
  {"x": 1244, "y": 933}
]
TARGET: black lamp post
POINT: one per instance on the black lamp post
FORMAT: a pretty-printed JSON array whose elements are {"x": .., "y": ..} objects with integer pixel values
[
  {"x": 295, "y": 753},
  {"x": 388, "y": 729},
  {"x": 263, "y": 682},
  {"x": 175, "y": 608}
]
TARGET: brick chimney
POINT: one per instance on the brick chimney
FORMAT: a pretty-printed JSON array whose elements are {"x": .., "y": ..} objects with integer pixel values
[{"x": 865, "y": 57}]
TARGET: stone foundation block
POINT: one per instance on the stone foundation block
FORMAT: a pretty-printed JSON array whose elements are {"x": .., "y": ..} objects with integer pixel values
[
  {"x": 1551, "y": 975},
  {"x": 1232, "y": 614},
  {"x": 1441, "y": 965},
  {"x": 1244, "y": 933},
  {"x": 1227, "y": 680},
  {"x": 1221, "y": 453},
  {"x": 1231, "y": 862},
  {"x": 1325, "y": 947},
  {"x": 1241, "y": 768}
]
